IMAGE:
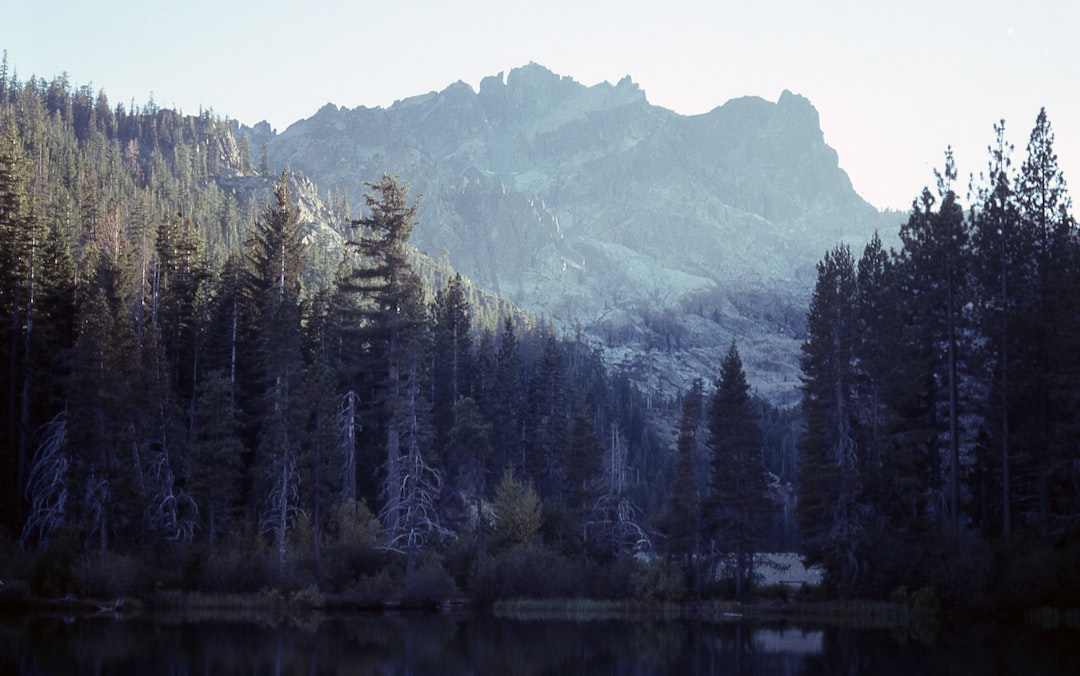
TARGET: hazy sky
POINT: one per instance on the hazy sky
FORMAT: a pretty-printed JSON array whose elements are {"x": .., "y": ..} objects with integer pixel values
[{"x": 894, "y": 82}]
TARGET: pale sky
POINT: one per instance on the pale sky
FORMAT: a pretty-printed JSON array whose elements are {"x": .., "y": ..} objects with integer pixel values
[{"x": 894, "y": 82}]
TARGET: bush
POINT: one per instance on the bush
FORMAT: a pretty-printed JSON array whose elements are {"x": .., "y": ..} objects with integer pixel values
[
  {"x": 610, "y": 579},
  {"x": 351, "y": 549},
  {"x": 525, "y": 571},
  {"x": 372, "y": 590},
  {"x": 1031, "y": 573},
  {"x": 459, "y": 559},
  {"x": 14, "y": 562},
  {"x": 242, "y": 565},
  {"x": 107, "y": 575},
  {"x": 659, "y": 580},
  {"x": 55, "y": 563},
  {"x": 429, "y": 585},
  {"x": 960, "y": 569}
]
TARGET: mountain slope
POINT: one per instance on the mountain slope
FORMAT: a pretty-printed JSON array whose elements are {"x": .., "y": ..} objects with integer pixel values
[{"x": 659, "y": 235}]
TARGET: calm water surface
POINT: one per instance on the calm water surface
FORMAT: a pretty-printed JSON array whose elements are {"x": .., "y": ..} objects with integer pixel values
[{"x": 439, "y": 644}]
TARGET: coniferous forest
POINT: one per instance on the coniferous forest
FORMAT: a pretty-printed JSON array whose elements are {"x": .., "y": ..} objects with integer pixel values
[{"x": 205, "y": 390}]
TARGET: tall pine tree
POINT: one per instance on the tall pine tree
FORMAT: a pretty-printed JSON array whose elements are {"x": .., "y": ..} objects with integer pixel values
[
  {"x": 738, "y": 504},
  {"x": 831, "y": 512}
]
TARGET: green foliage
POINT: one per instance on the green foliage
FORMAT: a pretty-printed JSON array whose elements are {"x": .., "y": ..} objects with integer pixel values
[
  {"x": 167, "y": 302},
  {"x": 351, "y": 547},
  {"x": 659, "y": 580},
  {"x": 243, "y": 564},
  {"x": 518, "y": 510}
]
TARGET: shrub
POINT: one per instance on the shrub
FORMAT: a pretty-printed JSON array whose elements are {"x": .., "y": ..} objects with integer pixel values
[
  {"x": 659, "y": 580},
  {"x": 351, "y": 546},
  {"x": 429, "y": 585},
  {"x": 372, "y": 590},
  {"x": 54, "y": 563},
  {"x": 106, "y": 575},
  {"x": 1030, "y": 573},
  {"x": 242, "y": 565},
  {"x": 525, "y": 571},
  {"x": 519, "y": 512}
]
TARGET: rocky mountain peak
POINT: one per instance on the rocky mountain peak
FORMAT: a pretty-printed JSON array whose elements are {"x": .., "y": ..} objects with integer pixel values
[{"x": 662, "y": 236}]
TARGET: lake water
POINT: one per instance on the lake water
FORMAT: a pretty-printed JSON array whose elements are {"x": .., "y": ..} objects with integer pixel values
[{"x": 480, "y": 644}]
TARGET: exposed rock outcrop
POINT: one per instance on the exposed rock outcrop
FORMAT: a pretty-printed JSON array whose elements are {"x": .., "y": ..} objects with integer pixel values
[{"x": 663, "y": 236}]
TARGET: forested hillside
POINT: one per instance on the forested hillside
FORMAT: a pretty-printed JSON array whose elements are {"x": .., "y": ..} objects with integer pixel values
[
  {"x": 215, "y": 379},
  {"x": 212, "y": 371}
]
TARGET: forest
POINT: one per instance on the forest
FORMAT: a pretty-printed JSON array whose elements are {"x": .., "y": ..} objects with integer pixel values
[
  {"x": 941, "y": 393},
  {"x": 206, "y": 390}
]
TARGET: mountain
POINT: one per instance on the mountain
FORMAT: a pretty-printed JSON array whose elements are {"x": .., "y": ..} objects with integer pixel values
[{"x": 660, "y": 236}]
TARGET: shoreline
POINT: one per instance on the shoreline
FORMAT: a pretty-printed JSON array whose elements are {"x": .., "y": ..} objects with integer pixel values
[{"x": 852, "y": 613}]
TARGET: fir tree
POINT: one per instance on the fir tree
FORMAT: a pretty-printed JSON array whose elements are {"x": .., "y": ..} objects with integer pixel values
[
  {"x": 275, "y": 257},
  {"x": 737, "y": 506},
  {"x": 831, "y": 512},
  {"x": 684, "y": 510}
]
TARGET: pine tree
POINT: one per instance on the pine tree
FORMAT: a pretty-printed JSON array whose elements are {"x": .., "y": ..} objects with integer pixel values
[
  {"x": 518, "y": 512},
  {"x": 469, "y": 445},
  {"x": 506, "y": 399},
  {"x": 178, "y": 278},
  {"x": 1001, "y": 260},
  {"x": 873, "y": 351},
  {"x": 737, "y": 506},
  {"x": 390, "y": 330},
  {"x": 684, "y": 510},
  {"x": 22, "y": 241},
  {"x": 216, "y": 457},
  {"x": 830, "y": 511},
  {"x": 546, "y": 422},
  {"x": 1045, "y": 377},
  {"x": 933, "y": 276},
  {"x": 452, "y": 370},
  {"x": 275, "y": 256}
]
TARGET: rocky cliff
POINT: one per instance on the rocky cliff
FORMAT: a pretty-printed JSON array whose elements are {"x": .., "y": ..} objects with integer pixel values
[{"x": 661, "y": 236}]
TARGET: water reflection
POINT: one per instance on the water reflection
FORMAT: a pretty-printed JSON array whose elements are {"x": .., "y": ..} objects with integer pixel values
[{"x": 439, "y": 644}]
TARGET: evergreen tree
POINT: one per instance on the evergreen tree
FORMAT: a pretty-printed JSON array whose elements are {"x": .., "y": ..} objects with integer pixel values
[
  {"x": 933, "y": 276},
  {"x": 684, "y": 510},
  {"x": 391, "y": 333},
  {"x": 469, "y": 445},
  {"x": 452, "y": 370},
  {"x": 22, "y": 241},
  {"x": 178, "y": 277},
  {"x": 275, "y": 256},
  {"x": 874, "y": 355},
  {"x": 216, "y": 457},
  {"x": 1001, "y": 261},
  {"x": 225, "y": 336},
  {"x": 546, "y": 422},
  {"x": 831, "y": 512},
  {"x": 506, "y": 399},
  {"x": 1045, "y": 378},
  {"x": 737, "y": 506}
]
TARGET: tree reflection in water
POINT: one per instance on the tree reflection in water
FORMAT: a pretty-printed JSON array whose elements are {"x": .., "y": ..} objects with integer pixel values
[{"x": 441, "y": 644}]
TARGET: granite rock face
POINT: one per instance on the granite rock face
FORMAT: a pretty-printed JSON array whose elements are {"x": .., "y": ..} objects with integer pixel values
[{"x": 661, "y": 236}]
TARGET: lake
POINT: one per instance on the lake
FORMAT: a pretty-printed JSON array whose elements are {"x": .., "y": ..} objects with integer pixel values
[{"x": 416, "y": 643}]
